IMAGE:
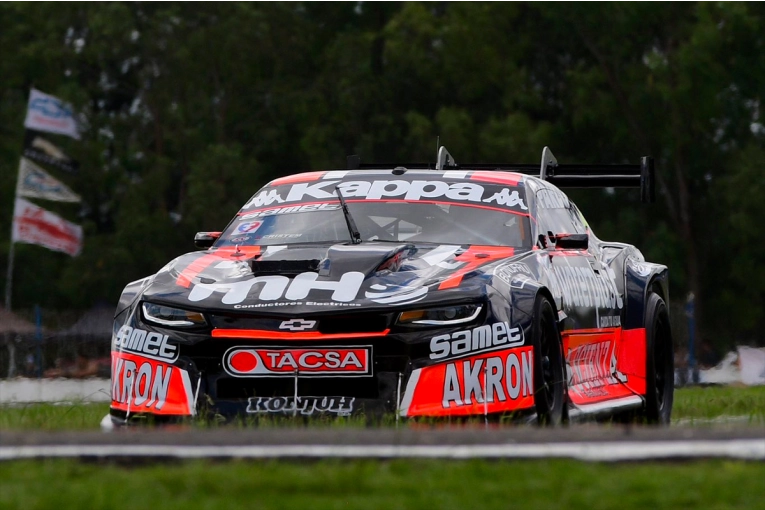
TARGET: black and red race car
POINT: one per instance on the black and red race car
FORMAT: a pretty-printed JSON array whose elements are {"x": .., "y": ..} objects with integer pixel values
[{"x": 462, "y": 290}]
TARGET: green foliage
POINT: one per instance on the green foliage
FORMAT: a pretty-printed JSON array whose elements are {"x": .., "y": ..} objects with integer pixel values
[{"x": 190, "y": 108}]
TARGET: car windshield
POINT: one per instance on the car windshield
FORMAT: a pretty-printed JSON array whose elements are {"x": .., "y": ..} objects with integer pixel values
[{"x": 466, "y": 213}]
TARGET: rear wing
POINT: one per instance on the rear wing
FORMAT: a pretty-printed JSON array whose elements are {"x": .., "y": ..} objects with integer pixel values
[{"x": 563, "y": 176}]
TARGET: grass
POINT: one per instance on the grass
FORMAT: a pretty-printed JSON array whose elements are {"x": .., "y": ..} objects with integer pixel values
[
  {"x": 700, "y": 403},
  {"x": 368, "y": 484},
  {"x": 694, "y": 406},
  {"x": 68, "y": 416},
  {"x": 64, "y": 484}
]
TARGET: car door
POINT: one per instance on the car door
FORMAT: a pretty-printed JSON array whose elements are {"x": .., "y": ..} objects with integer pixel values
[{"x": 589, "y": 305}]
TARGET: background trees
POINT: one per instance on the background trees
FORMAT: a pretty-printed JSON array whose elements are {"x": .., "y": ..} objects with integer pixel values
[{"x": 191, "y": 107}]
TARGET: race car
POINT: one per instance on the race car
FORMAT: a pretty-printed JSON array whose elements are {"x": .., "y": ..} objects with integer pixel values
[{"x": 413, "y": 290}]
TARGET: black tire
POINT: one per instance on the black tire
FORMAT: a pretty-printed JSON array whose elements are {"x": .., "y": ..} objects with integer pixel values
[
  {"x": 660, "y": 372},
  {"x": 549, "y": 376}
]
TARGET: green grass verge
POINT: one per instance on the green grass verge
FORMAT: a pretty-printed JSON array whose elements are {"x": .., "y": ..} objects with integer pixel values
[
  {"x": 695, "y": 405},
  {"x": 69, "y": 416},
  {"x": 64, "y": 484},
  {"x": 707, "y": 403}
]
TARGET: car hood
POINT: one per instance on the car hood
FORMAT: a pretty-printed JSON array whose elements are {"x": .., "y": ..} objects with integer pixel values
[{"x": 315, "y": 278}]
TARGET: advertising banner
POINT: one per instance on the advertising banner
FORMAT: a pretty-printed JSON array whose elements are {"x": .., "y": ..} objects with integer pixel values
[
  {"x": 50, "y": 114},
  {"x": 35, "y": 225},
  {"x": 43, "y": 151},
  {"x": 34, "y": 182}
]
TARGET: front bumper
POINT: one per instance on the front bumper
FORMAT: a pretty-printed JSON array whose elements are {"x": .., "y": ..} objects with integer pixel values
[{"x": 428, "y": 372}]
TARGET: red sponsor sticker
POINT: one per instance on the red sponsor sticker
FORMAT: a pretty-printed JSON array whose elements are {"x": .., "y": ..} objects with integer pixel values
[
  {"x": 604, "y": 364},
  {"x": 143, "y": 385},
  {"x": 309, "y": 362},
  {"x": 487, "y": 383}
]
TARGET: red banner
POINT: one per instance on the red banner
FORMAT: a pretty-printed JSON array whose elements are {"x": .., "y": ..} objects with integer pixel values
[{"x": 35, "y": 225}]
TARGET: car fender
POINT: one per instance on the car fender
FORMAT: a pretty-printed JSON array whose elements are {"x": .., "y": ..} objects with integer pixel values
[
  {"x": 130, "y": 293},
  {"x": 641, "y": 277}
]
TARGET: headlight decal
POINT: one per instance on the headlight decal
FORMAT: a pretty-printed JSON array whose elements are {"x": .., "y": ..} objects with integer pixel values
[
  {"x": 170, "y": 316},
  {"x": 443, "y": 316}
]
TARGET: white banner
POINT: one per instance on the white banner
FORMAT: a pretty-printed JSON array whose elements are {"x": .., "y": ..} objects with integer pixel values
[
  {"x": 48, "y": 113},
  {"x": 752, "y": 362},
  {"x": 34, "y": 182},
  {"x": 35, "y": 225}
]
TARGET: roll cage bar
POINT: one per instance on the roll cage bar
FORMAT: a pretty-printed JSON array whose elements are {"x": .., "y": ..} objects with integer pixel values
[{"x": 563, "y": 176}]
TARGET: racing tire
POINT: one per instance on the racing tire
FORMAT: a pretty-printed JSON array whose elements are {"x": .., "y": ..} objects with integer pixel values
[
  {"x": 660, "y": 374},
  {"x": 549, "y": 375}
]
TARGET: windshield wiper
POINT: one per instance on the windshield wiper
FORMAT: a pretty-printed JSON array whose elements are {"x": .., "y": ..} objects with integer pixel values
[{"x": 355, "y": 234}]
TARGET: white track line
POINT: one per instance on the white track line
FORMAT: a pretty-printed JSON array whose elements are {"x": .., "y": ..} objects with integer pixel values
[{"x": 748, "y": 449}]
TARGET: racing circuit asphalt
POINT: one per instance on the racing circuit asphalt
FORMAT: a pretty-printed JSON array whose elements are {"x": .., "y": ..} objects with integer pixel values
[{"x": 591, "y": 442}]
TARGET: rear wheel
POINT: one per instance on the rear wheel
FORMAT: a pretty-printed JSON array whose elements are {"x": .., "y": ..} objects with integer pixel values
[
  {"x": 549, "y": 379},
  {"x": 660, "y": 375}
]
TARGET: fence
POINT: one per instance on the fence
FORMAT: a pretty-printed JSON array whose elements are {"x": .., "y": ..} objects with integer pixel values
[{"x": 71, "y": 344}]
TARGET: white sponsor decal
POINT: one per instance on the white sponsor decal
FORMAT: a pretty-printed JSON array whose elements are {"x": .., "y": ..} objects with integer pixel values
[
  {"x": 504, "y": 197},
  {"x": 393, "y": 295},
  {"x": 276, "y": 287},
  {"x": 512, "y": 379},
  {"x": 140, "y": 386},
  {"x": 399, "y": 189},
  {"x": 340, "y": 406},
  {"x": 481, "y": 339},
  {"x": 279, "y": 236},
  {"x": 289, "y": 210},
  {"x": 640, "y": 268},
  {"x": 296, "y": 303},
  {"x": 610, "y": 321},
  {"x": 515, "y": 274},
  {"x": 150, "y": 344},
  {"x": 297, "y": 325},
  {"x": 589, "y": 367},
  {"x": 580, "y": 286},
  {"x": 265, "y": 197}
]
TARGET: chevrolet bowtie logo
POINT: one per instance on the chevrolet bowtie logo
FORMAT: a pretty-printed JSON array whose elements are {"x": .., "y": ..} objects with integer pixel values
[{"x": 297, "y": 325}]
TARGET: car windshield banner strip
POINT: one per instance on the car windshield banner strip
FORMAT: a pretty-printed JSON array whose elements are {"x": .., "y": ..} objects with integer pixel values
[{"x": 508, "y": 197}]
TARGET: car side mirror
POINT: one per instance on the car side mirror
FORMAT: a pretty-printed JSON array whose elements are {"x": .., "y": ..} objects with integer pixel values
[
  {"x": 205, "y": 239},
  {"x": 571, "y": 241}
]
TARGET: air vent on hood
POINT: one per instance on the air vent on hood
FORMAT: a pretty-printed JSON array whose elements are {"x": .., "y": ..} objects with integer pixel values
[{"x": 284, "y": 267}]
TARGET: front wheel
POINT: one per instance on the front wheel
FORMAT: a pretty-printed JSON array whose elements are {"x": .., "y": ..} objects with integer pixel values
[
  {"x": 660, "y": 376},
  {"x": 549, "y": 379}
]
